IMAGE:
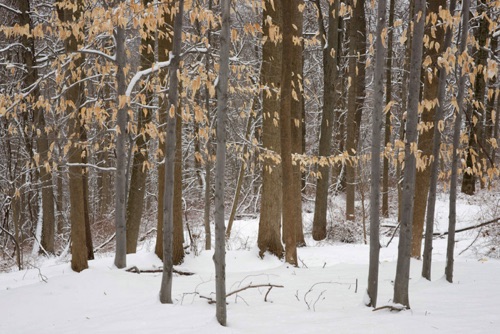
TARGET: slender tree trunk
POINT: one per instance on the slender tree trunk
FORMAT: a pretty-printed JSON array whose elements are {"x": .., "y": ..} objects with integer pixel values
[
  {"x": 330, "y": 45},
  {"x": 164, "y": 47},
  {"x": 378, "y": 88},
  {"x": 269, "y": 236},
  {"x": 475, "y": 155},
  {"x": 462, "y": 70},
  {"x": 137, "y": 189},
  {"x": 357, "y": 36},
  {"x": 404, "y": 249},
  {"x": 170, "y": 147},
  {"x": 297, "y": 104},
  {"x": 436, "y": 145},
  {"x": 121, "y": 155},
  {"x": 425, "y": 137},
  {"x": 178, "y": 231},
  {"x": 222, "y": 105},
  {"x": 74, "y": 95},
  {"x": 388, "y": 115}
]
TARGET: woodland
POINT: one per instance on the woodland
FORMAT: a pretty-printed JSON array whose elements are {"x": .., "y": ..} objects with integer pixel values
[{"x": 170, "y": 123}]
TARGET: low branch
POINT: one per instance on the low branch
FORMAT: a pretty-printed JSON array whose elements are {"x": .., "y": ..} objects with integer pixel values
[
  {"x": 104, "y": 243},
  {"x": 270, "y": 286},
  {"x": 395, "y": 307},
  {"x": 492, "y": 221}
]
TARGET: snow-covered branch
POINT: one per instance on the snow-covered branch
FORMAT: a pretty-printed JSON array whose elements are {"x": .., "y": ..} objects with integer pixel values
[
  {"x": 98, "y": 53},
  {"x": 106, "y": 169},
  {"x": 140, "y": 74},
  {"x": 15, "y": 11}
]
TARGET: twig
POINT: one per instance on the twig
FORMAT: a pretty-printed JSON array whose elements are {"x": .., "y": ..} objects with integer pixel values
[
  {"x": 211, "y": 301},
  {"x": 147, "y": 234},
  {"x": 472, "y": 243},
  {"x": 393, "y": 234}
]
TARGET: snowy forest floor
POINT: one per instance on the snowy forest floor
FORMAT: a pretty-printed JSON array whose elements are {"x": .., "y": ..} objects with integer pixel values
[{"x": 323, "y": 295}]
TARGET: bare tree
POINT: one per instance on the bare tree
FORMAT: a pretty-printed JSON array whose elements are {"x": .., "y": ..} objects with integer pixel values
[
  {"x": 170, "y": 147},
  {"x": 222, "y": 106},
  {"x": 462, "y": 68},
  {"x": 403, "y": 264},
  {"x": 380, "y": 49}
]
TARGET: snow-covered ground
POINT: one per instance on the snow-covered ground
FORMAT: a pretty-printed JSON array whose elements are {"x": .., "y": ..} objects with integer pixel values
[{"x": 323, "y": 295}]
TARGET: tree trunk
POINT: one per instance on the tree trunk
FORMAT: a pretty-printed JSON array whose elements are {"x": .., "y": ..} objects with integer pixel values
[
  {"x": 462, "y": 68},
  {"x": 388, "y": 115},
  {"x": 170, "y": 147},
  {"x": 269, "y": 236},
  {"x": 164, "y": 47},
  {"x": 475, "y": 154},
  {"x": 330, "y": 45},
  {"x": 222, "y": 104},
  {"x": 436, "y": 145},
  {"x": 378, "y": 89},
  {"x": 74, "y": 97},
  {"x": 297, "y": 105},
  {"x": 48, "y": 226},
  {"x": 290, "y": 212},
  {"x": 137, "y": 189},
  {"x": 357, "y": 36},
  {"x": 404, "y": 248},
  {"x": 121, "y": 155},
  {"x": 425, "y": 137},
  {"x": 178, "y": 249}
]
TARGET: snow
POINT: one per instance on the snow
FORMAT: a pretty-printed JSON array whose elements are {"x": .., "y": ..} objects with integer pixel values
[{"x": 325, "y": 294}]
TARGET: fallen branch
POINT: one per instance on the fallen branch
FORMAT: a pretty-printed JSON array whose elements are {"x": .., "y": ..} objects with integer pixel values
[
  {"x": 395, "y": 307},
  {"x": 136, "y": 270},
  {"x": 147, "y": 234},
  {"x": 495, "y": 220},
  {"x": 270, "y": 286},
  {"x": 98, "y": 248}
]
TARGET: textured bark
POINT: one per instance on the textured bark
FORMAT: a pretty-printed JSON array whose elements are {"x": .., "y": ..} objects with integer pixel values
[
  {"x": 137, "y": 189},
  {"x": 434, "y": 167},
  {"x": 164, "y": 47},
  {"x": 220, "y": 227},
  {"x": 456, "y": 143},
  {"x": 426, "y": 135},
  {"x": 404, "y": 249},
  {"x": 74, "y": 95},
  {"x": 330, "y": 43},
  {"x": 178, "y": 249},
  {"x": 170, "y": 147},
  {"x": 290, "y": 212},
  {"x": 357, "y": 36},
  {"x": 297, "y": 105},
  {"x": 269, "y": 236},
  {"x": 378, "y": 81},
  {"x": 121, "y": 155},
  {"x": 388, "y": 99},
  {"x": 42, "y": 142},
  {"x": 476, "y": 109}
]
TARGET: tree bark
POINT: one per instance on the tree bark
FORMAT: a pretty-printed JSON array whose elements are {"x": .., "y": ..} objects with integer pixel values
[
  {"x": 164, "y": 47},
  {"x": 178, "y": 231},
  {"x": 330, "y": 45},
  {"x": 137, "y": 189},
  {"x": 378, "y": 80},
  {"x": 426, "y": 134},
  {"x": 388, "y": 115},
  {"x": 463, "y": 72},
  {"x": 289, "y": 211},
  {"x": 269, "y": 236},
  {"x": 404, "y": 249},
  {"x": 220, "y": 227},
  {"x": 74, "y": 97},
  {"x": 297, "y": 105},
  {"x": 436, "y": 145},
  {"x": 357, "y": 36},
  {"x": 170, "y": 147}
]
